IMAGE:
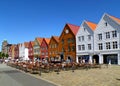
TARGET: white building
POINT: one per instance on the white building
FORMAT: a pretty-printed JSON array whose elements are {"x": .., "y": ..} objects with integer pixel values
[
  {"x": 107, "y": 40},
  {"x": 85, "y": 41},
  {"x": 23, "y": 51}
]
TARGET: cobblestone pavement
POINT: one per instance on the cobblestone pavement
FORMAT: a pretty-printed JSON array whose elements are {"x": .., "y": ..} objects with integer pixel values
[
  {"x": 93, "y": 77},
  {"x": 12, "y": 77}
]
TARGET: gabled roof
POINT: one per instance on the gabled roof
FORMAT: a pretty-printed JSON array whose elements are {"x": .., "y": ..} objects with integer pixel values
[
  {"x": 32, "y": 42},
  {"x": 115, "y": 19},
  {"x": 26, "y": 44},
  {"x": 74, "y": 28},
  {"x": 47, "y": 40},
  {"x": 91, "y": 25},
  {"x": 56, "y": 38},
  {"x": 39, "y": 40}
]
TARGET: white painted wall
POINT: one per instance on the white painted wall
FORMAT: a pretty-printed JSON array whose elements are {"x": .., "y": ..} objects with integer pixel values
[
  {"x": 23, "y": 52},
  {"x": 84, "y": 32},
  {"x": 102, "y": 28}
]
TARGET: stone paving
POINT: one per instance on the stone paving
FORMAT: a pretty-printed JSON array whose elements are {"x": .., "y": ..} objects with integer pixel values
[{"x": 93, "y": 77}]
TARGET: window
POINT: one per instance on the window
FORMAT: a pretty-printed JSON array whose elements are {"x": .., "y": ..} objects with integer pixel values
[
  {"x": 68, "y": 40},
  {"x": 115, "y": 46},
  {"x": 83, "y": 47},
  {"x": 107, "y": 35},
  {"x": 73, "y": 48},
  {"x": 79, "y": 38},
  {"x": 89, "y": 37},
  {"x": 100, "y": 36},
  {"x": 106, "y": 24},
  {"x": 69, "y": 49},
  {"x": 63, "y": 50},
  {"x": 79, "y": 47},
  {"x": 114, "y": 33},
  {"x": 72, "y": 40},
  {"x": 82, "y": 38},
  {"x": 100, "y": 46},
  {"x": 89, "y": 46},
  {"x": 107, "y": 45},
  {"x": 54, "y": 45},
  {"x": 84, "y": 29},
  {"x": 62, "y": 41}
]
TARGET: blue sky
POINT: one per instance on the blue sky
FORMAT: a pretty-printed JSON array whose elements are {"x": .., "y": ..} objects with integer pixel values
[{"x": 23, "y": 20}]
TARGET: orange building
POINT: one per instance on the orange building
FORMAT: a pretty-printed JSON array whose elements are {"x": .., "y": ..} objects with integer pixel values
[
  {"x": 53, "y": 47},
  {"x": 67, "y": 42},
  {"x": 16, "y": 51},
  {"x": 12, "y": 51}
]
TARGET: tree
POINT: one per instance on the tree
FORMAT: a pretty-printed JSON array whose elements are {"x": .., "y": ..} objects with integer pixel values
[
  {"x": 7, "y": 55},
  {"x": 3, "y": 55},
  {"x": 0, "y": 55}
]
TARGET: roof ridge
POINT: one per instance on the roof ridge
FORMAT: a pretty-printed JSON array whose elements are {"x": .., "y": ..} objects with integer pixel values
[
  {"x": 116, "y": 19},
  {"x": 91, "y": 25}
]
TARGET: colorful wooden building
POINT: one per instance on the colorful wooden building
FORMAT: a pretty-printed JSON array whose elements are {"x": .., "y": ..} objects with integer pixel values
[
  {"x": 30, "y": 50},
  {"x": 53, "y": 48},
  {"x": 36, "y": 47},
  {"x": 67, "y": 42},
  {"x": 44, "y": 48}
]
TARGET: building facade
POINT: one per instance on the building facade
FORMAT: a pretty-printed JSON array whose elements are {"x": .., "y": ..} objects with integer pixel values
[
  {"x": 16, "y": 51},
  {"x": 53, "y": 48},
  {"x": 30, "y": 50},
  {"x": 67, "y": 42},
  {"x": 36, "y": 47},
  {"x": 44, "y": 48},
  {"x": 107, "y": 40},
  {"x": 23, "y": 51},
  {"x": 85, "y": 41},
  {"x": 4, "y": 47}
]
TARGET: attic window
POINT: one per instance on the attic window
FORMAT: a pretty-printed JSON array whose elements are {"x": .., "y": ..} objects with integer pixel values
[
  {"x": 106, "y": 24},
  {"x": 84, "y": 29}
]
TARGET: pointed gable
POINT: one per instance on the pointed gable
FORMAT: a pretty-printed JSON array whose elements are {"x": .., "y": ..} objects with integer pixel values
[
  {"x": 47, "y": 40},
  {"x": 26, "y": 44},
  {"x": 91, "y": 25},
  {"x": 32, "y": 43},
  {"x": 56, "y": 38},
  {"x": 74, "y": 28},
  {"x": 39, "y": 40}
]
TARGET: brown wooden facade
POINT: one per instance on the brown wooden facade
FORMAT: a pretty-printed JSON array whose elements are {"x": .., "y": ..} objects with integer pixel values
[
  {"x": 16, "y": 51},
  {"x": 53, "y": 47},
  {"x": 67, "y": 42}
]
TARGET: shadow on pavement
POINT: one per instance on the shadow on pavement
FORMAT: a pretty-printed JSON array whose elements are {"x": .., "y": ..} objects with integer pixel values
[{"x": 117, "y": 79}]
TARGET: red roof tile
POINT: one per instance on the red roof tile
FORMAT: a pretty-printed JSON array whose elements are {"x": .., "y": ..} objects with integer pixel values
[
  {"x": 74, "y": 28},
  {"x": 47, "y": 40},
  {"x": 56, "y": 38},
  {"x": 39, "y": 40}
]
